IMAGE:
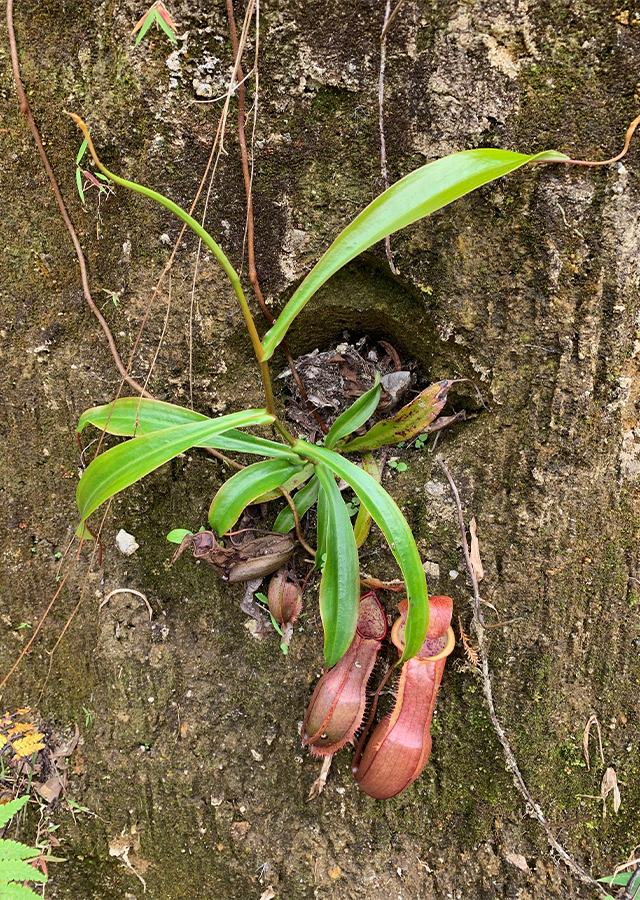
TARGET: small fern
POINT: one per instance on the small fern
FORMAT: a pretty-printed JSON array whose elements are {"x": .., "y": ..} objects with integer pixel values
[{"x": 15, "y": 858}]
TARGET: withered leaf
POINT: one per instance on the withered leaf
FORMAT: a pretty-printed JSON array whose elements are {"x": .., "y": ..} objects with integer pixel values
[
  {"x": 593, "y": 720},
  {"x": 476, "y": 562},
  {"x": 412, "y": 419},
  {"x": 253, "y": 559},
  {"x": 609, "y": 784}
]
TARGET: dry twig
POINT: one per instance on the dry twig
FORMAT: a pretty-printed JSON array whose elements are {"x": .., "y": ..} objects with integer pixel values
[{"x": 511, "y": 764}]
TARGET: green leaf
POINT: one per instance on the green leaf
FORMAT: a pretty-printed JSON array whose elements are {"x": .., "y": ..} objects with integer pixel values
[
  {"x": 14, "y": 891},
  {"x": 130, "y": 416},
  {"x": 81, "y": 151},
  {"x": 357, "y": 414},
  {"x": 622, "y": 879},
  {"x": 397, "y": 532},
  {"x": 322, "y": 529},
  {"x": 243, "y": 488},
  {"x": 303, "y": 500},
  {"x": 176, "y": 536},
  {"x": 8, "y": 810},
  {"x": 407, "y": 422},
  {"x": 166, "y": 28},
  {"x": 79, "y": 183},
  {"x": 18, "y": 869},
  {"x": 340, "y": 584},
  {"x": 148, "y": 22},
  {"x": 290, "y": 485},
  {"x": 127, "y": 463},
  {"x": 413, "y": 197}
]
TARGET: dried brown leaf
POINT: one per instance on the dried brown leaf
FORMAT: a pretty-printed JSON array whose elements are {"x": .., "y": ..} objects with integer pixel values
[
  {"x": 51, "y": 789},
  {"x": 610, "y": 783},
  {"x": 318, "y": 785},
  {"x": 517, "y": 859},
  {"x": 593, "y": 720},
  {"x": 269, "y": 894},
  {"x": 476, "y": 562}
]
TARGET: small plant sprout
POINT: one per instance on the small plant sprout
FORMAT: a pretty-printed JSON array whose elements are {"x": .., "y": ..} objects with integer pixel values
[
  {"x": 114, "y": 296},
  {"x": 158, "y": 15},
  {"x": 85, "y": 178}
]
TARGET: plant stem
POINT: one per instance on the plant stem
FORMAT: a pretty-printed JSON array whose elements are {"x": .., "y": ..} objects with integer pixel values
[
  {"x": 222, "y": 259},
  {"x": 195, "y": 227}
]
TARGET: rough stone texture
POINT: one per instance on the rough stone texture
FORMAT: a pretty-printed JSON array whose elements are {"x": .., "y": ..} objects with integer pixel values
[{"x": 191, "y": 756}]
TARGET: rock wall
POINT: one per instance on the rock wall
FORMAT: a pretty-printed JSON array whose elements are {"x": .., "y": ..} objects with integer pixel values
[{"x": 190, "y": 758}]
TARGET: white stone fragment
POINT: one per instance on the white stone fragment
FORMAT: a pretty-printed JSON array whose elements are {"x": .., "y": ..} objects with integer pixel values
[{"x": 126, "y": 542}]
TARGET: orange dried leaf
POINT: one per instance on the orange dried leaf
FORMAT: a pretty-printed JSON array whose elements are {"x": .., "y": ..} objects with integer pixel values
[{"x": 28, "y": 744}]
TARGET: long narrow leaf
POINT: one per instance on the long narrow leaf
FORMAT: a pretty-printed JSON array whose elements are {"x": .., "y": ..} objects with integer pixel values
[
  {"x": 304, "y": 500},
  {"x": 127, "y": 463},
  {"x": 407, "y": 422},
  {"x": 322, "y": 529},
  {"x": 413, "y": 197},
  {"x": 357, "y": 414},
  {"x": 397, "y": 532},
  {"x": 244, "y": 487},
  {"x": 340, "y": 584},
  {"x": 362, "y": 524},
  {"x": 290, "y": 485},
  {"x": 144, "y": 25},
  {"x": 131, "y": 416}
]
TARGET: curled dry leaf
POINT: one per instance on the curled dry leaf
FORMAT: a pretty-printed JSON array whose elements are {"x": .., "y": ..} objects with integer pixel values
[
  {"x": 52, "y": 788},
  {"x": 285, "y": 598},
  {"x": 476, "y": 562},
  {"x": 609, "y": 784},
  {"x": 252, "y": 559},
  {"x": 269, "y": 894},
  {"x": 593, "y": 720}
]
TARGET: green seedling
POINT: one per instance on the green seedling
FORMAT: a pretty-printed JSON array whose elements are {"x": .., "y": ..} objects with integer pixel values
[
  {"x": 86, "y": 178},
  {"x": 161, "y": 431},
  {"x": 261, "y": 598},
  {"x": 114, "y": 296},
  {"x": 353, "y": 506},
  {"x": 158, "y": 15}
]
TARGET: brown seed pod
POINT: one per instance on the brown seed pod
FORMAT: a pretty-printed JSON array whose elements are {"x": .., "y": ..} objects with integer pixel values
[{"x": 285, "y": 598}]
